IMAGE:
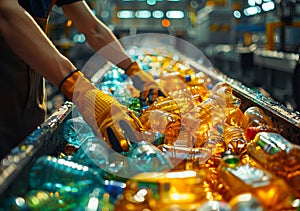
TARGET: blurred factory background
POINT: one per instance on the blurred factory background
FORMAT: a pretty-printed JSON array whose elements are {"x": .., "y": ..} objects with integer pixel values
[{"x": 256, "y": 42}]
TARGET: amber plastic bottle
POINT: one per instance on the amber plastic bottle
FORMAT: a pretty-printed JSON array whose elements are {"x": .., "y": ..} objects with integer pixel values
[
  {"x": 278, "y": 155},
  {"x": 236, "y": 178},
  {"x": 186, "y": 188},
  {"x": 234, "y": 138}
]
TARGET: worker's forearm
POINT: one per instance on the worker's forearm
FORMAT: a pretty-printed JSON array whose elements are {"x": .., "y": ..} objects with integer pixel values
[
  {"x": 29, "y": 42},
  {"x": 109, "y": 47},
  {"x": 98, "y": 35}
]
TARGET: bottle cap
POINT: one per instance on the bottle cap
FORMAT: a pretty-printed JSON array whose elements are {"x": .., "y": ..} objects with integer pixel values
[{"x": 229, "y": 158}]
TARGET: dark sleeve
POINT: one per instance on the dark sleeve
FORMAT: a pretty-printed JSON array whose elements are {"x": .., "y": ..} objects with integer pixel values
[{"x": 63, "y": 2}]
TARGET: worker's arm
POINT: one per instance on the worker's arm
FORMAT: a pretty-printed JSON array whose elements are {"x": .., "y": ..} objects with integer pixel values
[
  {"x": 101, "y": 111},
  {"x": 100, "y": 37},
  {"x": 97, "y": 34},
  {"x": 31, "y": 44}
]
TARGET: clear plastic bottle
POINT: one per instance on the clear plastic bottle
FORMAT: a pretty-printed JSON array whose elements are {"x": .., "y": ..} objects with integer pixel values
[
  {"x": 210, "y": 114},
  {"x": 198, "y": 122},
  {"x": 148, "y": 158},
  {"x": 230, "y": 101},
  {"x": 257, "y": 117},
  {"x": 76, "y": 130},
  {"x": 186, "y": 158},
  {"x": 141, "y": 157},
  {"x": 93, "y": 152},
  {"x": 159, "y": 121}
]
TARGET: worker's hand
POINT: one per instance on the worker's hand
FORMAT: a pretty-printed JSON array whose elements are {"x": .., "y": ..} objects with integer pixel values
[
  {"x": 117, "y": 125},
  {"x": 145, "y": 83}
]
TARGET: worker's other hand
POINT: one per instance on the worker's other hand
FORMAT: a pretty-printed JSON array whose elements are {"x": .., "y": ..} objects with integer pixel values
[
  {"x": 117, "y": 125},
  {"x": 145, "y": 83}
]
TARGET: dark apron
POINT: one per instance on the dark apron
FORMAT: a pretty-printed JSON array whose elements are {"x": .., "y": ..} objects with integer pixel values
[{"x": 23, "y": 104}]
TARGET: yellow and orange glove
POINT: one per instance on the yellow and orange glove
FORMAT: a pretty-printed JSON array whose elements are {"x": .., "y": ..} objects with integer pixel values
[
  {"x": 103, "y": 113},
  {"x": 145, "y": 83}
]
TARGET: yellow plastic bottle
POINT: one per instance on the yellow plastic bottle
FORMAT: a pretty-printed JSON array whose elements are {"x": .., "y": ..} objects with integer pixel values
[
  {"x": 188, "y": 187},
  {"x": 279, "y": 156},
  {"x": 237, "y": 178}
]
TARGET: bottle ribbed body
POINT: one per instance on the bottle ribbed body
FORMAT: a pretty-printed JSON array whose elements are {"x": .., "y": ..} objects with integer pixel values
[{"x": 234, "y": 139}]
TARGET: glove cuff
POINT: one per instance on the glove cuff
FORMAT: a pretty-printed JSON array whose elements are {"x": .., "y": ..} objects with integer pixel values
[
  {"x": 83, "y": 93},
  {"x": 74, "y": 81},
  {"x": 132, "y": 69},
  {"x": 68, "y": 76}
]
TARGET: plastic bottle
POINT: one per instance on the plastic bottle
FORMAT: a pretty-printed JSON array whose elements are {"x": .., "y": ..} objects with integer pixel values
[
  {"x": 141, "y": 157},
  {"x": 214, "y": 205},
  {"x": 230, "y": 101},
  {"x": 159, "y": 121},
  {"x": 148, "y": 158},
  {"x": 176, "y": 187},
  {"x": 57, "y": 174},
  {"x": 234, "y": 138},
  {"x": 278, "y": 155},
  {"x": 236, "y": 118},
  {"x": 236, "y": 179},
  {"x": 186, "y": 158},
  {"x": 93, "y": 152},
  {"x": 76, "y": 130},
  {"x": 257, "y": 117},
  {"x": 210, "y": 113},
  {"x": 257, "y": 121},
  {"x": 167, "y": 104},
  {"x": 246, "y": 202}
]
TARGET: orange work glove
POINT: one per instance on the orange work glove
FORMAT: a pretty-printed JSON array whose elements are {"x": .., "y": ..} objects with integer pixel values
[
  {"x": 145, "y": 83},
  {"x": 115, "y": 122}
]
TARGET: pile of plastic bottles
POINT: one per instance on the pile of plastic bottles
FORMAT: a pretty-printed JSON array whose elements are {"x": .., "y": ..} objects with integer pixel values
[{"x": 204, "y": 153}]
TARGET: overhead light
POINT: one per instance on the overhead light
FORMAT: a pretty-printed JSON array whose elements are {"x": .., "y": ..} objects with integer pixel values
[
  {"x": 251, "y": 3},
  {"x": 166, "y": 23},
  {"x": 252, "y": 11},
  {"x": 79, "y": 38},
  {"x": 158, "y": 14},
  {"x": 237, "y": 14},
  {"x": 176, "y": 14},
  {"x": 125, "y": 14},
  {"x": 143, "y": 14},
  {"x": 151, "y": 2},
  {"x": 268, "y": 6}
]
